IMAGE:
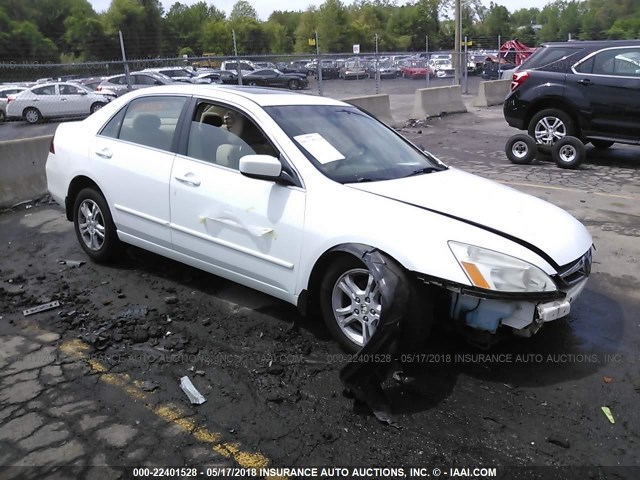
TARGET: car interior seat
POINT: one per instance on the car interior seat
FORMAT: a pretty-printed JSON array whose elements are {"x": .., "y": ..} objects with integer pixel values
[{"x": 146, "y": 131}]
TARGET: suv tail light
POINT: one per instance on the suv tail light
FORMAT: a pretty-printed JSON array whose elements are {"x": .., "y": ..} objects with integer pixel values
[
  {"x": 518, "y": 79},
  {"x": 99, "y": 88},
  {"x": 10, "y": 98}
]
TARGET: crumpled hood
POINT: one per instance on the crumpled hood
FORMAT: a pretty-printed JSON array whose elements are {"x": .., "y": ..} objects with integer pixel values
[{"x": 490, "y": 204}]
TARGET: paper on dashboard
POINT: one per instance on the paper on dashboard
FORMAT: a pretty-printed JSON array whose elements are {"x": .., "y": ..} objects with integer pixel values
[{"x": 319, "y": 147}]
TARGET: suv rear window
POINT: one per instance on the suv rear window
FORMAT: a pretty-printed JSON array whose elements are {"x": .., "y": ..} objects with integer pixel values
[{"x": 551, "y": 59}]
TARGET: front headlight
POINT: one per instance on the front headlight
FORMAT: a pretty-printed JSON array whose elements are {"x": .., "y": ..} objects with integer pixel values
[{"x": 497, "y": 271}]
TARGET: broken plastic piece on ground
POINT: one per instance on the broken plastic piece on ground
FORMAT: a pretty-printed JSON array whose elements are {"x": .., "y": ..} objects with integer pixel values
[
  {"x": 608, "y": 413},
  {"x": 194, "y": 395},
  {"x": 607, "y": 379},
  {"x": 41, "y": 308},
  {"x": 72, "y": 263}
]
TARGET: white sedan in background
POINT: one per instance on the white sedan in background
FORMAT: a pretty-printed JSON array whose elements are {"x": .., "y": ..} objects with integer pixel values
[
  {"x": 294, "y": 195},
  {"x": 53, "y": 100},
  {"x": 5, "y": 91}
]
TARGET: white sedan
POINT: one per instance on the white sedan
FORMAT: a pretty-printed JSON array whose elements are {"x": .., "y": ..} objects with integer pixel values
[
  {"x": 291, "y": 194},
  {"x": 53, "y": 100}
]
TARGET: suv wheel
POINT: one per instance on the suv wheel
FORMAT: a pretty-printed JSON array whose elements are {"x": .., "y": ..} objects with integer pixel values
[{"x": 550, "y": 125}]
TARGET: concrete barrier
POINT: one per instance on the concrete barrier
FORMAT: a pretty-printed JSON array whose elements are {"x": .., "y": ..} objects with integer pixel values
[
  {"x": 377, "y": 105},
  {"x": 431, "y": 102},
  {"x": 492, "y": 93},
  {"x": 22, "y": 172}
]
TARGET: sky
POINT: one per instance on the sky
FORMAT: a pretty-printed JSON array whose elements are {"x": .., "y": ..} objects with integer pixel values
[{"x": 265, "y": 7}]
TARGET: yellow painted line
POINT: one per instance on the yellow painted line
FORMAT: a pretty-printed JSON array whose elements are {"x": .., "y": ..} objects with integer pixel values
[
  {"x": 168, "y": 412},
  {"x": 564, "y": 189}
]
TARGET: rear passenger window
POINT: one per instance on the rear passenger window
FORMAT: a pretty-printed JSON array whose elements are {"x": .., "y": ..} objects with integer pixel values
[
  {"x": 147, "y": 121},
  {"x": 48, "y": 90},
  {"x": 551, "y": 59}
]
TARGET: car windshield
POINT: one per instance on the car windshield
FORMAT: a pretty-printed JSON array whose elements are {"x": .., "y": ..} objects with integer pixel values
[{"x": 349, "y": 146}]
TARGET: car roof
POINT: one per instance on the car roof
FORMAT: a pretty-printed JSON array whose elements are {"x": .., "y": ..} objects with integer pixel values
[
  {"x": 593, "y": 43},
  {"x": 264, "y": 97}
]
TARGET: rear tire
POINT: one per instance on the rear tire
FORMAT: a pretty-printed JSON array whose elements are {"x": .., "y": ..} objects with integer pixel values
[
  {"x": 94, "y": 226},
  {"x": 521, "y": 149},
  {"x": 568, "y": 152},
  {"x": 601, "y": 144},
  {"x": 294, "y": 84},
  {"x": 550, "y": 125},
  {"x": 32, "y": 115}
]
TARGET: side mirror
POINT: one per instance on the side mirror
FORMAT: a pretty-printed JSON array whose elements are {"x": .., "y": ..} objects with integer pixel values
[{"x": 261, "y": 167}]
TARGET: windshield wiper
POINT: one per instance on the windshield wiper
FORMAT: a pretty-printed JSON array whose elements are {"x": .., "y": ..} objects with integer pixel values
[{"x": 423, "y": 170}]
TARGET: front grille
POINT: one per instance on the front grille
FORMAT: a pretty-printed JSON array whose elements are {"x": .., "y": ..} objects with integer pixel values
[{"x": 577, "y": 270}]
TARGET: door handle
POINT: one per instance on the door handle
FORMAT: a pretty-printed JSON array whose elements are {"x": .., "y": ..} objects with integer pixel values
[
  {"x": 188, "y": 179},
  {"x": 104, "y": 153},
  {"x": 584, "y": 81}
]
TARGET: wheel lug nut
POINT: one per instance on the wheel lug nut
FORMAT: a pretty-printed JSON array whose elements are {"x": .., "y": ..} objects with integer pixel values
[
  {"x": 357, "y": 300},
  {"x": 357, "y": 312},
  {"x": 373, "y": 312},
  {"x": 367, "y": 300},
  {"x": 366, "y": 318}
]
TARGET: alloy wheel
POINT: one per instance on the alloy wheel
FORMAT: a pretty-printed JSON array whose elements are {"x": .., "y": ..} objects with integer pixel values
[
  {"x": 91, "y": 224},
  {"x": 355, "y": 302}
]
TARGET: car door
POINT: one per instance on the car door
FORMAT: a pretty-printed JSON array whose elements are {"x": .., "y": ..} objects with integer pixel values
[
  {"x": 243, "y": 229},
  {"x": 134, "y": 154},
  {"x": 74, "y": 101},
  {"x": 609, "y": 84}
]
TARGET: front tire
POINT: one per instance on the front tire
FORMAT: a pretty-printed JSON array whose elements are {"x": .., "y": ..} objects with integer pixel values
[
  {"x": 520, "y": 149},
  {"x": 94, "y": 226},
  {"x": 568, "y": 152},
  {"x": 294, "y": 84},
  {"x": 350, "y": 302},
  {"x": 550, "y": 125},
  {"x": 32, "y": 115}
]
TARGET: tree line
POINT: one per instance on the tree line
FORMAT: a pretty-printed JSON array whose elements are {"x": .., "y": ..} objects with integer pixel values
[{"x": 68, "y": 31}]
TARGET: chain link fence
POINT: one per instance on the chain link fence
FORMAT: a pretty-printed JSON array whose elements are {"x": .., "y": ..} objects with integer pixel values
[{"x": 64, "y": 90}]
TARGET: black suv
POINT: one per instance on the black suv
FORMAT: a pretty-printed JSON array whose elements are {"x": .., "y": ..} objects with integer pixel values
[{"x": 584, "y": 89}]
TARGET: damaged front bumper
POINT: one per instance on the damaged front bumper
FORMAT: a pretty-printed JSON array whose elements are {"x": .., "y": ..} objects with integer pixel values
[
  {"x": 481, "y": 313},
  {"x": 524, "y": 317}
]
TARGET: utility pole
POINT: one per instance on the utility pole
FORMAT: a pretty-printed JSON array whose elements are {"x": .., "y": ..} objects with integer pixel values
[
  {"x": 124, "y": 61},
  {"x": 458, "y": 32},
  {"x": 235, "y": 51},
  {"x": 377, "y": 68},
  {"x": 319, "y": 67}
]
